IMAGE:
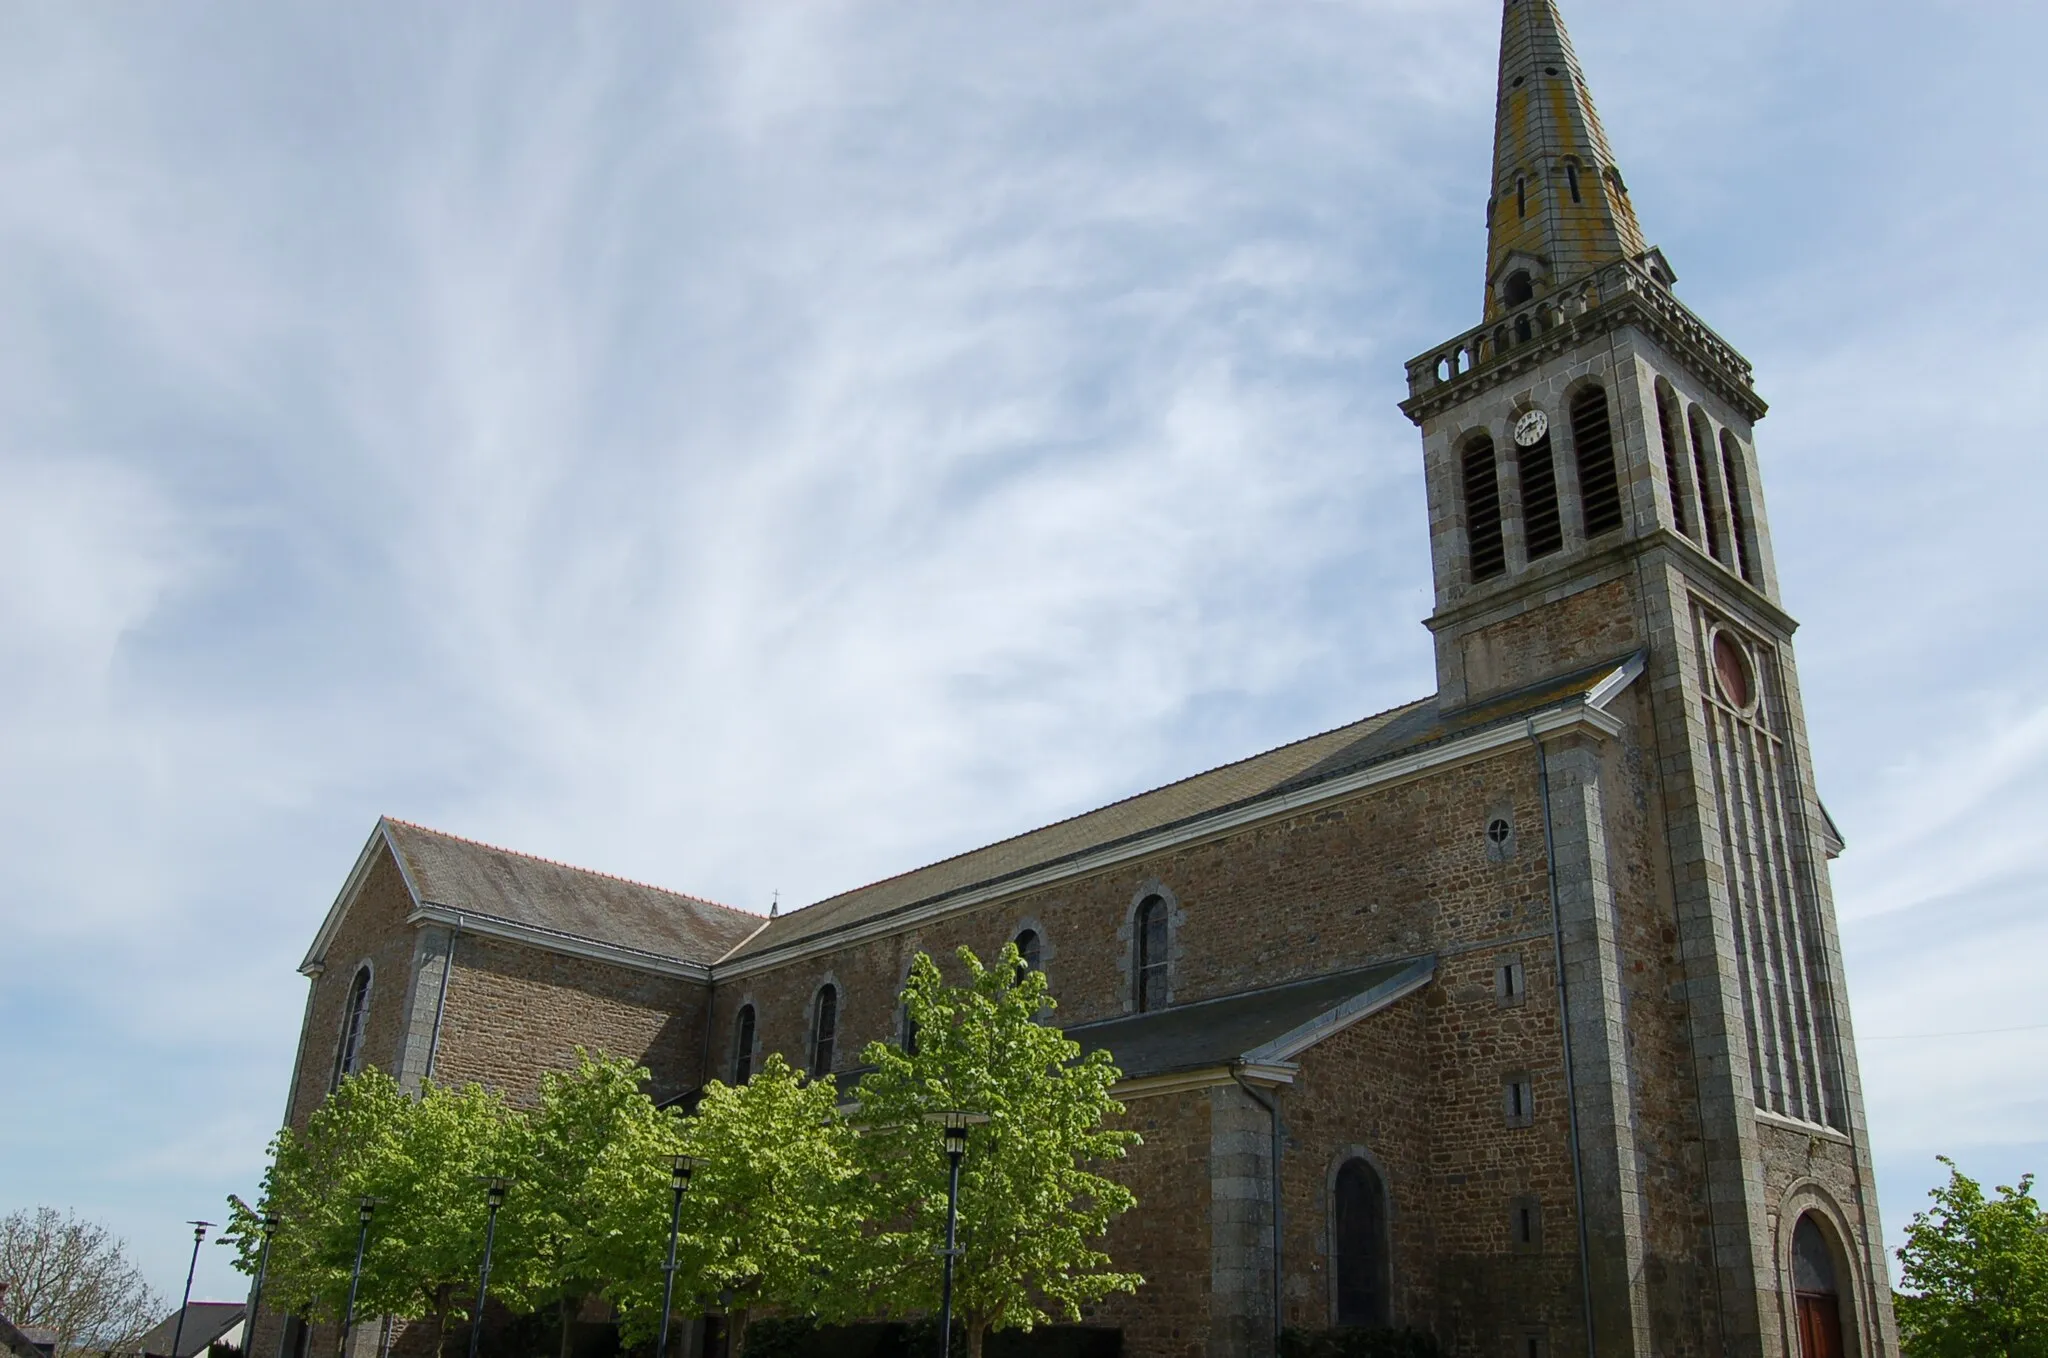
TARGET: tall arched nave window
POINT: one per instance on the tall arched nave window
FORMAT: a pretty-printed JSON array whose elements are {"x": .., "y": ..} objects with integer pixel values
[{"x": 348, "y": 1057}]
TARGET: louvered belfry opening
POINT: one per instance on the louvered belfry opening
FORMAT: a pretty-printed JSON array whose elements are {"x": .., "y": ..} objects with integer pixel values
[
  {"x": 1487, "y": 545},
  {"x": 1674, "y": 457},
  {"x": 1738, "y": 526},
  {"x": 1542, "y": 525},
  {"x": 1599, "y": 476},
  {"x": 1701, "y": 457}
]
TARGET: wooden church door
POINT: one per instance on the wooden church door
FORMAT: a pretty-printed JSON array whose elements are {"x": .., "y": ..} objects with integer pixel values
[{"x": 1818, "y": 1299}]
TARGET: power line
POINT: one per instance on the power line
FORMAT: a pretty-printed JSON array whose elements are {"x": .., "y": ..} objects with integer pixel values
[{"x": 1974, "y": 1032}]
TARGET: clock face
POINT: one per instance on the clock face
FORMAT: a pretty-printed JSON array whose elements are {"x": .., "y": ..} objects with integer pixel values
[{"x": 1530, "y": 429}]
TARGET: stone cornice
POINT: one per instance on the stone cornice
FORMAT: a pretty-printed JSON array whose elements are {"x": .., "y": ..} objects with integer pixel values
[
  {"x": 1496, "y": 602},
  {"x": 551, "y": 940}
]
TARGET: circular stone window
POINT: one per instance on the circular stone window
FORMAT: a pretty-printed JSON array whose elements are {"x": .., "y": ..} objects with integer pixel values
[
  {"x": 1498, "y": 832},
  {"x": 1732, "y": 672}
]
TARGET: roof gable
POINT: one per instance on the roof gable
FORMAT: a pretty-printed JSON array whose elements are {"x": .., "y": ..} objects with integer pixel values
[{"x": 539, "y": 900}]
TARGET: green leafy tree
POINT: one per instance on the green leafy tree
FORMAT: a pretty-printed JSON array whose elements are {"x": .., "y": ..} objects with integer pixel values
[
  {"x": 1975, "y": 1270},
  {"x": 774, "y": 1201},
  {"x": 420, "y": 1158},
  {"x": 588, "y": 1207},
  {"x": 1033, "y": 1209}
]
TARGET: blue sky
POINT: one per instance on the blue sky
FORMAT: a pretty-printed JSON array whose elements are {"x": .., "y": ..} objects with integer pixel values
[{"x": 759, "y": 448}]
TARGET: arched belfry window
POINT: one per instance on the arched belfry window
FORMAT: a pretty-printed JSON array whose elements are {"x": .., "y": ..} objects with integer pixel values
[
  {"x": 1358, "y": 1240},
  {"x": 1150, "y": 935},
  {"x": 1674, "y": 456},
  {"x": 824, "y": 1031},
  {"x": 1542, "y": 526},
  {"x": 1599, "y": 475},
  {"x": 1817, "y": 1295},
  {"x": 348, "y": 1056},
  {"x": 1519, "y": 288},
  {"x": 743, "y": 1045},
  {"x": 1487, "y": 548}
]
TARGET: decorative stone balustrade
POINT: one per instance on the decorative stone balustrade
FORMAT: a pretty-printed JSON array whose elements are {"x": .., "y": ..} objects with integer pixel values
[{"x": 1624, "y": 282}]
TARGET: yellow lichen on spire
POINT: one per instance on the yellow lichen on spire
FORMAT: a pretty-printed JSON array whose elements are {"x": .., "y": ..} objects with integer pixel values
[{"x": 1559, "y": 208}]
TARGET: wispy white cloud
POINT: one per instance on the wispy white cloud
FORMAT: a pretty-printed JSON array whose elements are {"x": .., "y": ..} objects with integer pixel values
[{"x": 766, "y": 447}]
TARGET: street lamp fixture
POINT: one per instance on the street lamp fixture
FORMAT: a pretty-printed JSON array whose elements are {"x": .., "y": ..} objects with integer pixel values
[
  {"x": 495, "y": 1197},
  {"x": 954, "y": 1122},
  {"x": 256, "y": 1293},
  {"x": 681, "y": 1167},
  {"x": 365, "y": 1209},
  {"x": 178, "y": 1333}
]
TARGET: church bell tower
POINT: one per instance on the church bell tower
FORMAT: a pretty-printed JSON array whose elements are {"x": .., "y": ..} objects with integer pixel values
[{"x": 1595, "y": 493}]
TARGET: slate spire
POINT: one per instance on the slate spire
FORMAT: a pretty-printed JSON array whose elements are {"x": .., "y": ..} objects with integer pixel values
[{"x": 1559, "y": 209}]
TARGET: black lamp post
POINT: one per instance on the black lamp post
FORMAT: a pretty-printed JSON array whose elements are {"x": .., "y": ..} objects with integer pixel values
[
  {"x": 680, "y": 1169},
  {"x": 955, "y": 1121},
  {"x": 256, "y": 1293},
  {"x": 178, "y": 1331},
  {"x": 483, "y": 1282},
  {"x": 367, "y": 1208}
]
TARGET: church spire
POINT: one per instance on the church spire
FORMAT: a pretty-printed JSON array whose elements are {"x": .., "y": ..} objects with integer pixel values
[{"x": 1559, "y": 209}]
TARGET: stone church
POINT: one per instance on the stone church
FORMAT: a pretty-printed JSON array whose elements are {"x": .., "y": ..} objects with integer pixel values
[{"x": 1514, "y": 1014}]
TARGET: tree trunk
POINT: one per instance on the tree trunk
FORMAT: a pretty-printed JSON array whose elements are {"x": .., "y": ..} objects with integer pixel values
[
  {"x": 976, "y": 1333},
  {"x": 564, "y": 1310},
  {"x": 736, "y": 1332},
  {"x": 441, "y": 1304}
]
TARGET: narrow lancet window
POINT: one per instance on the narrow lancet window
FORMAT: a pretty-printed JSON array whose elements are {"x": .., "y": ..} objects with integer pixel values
[
  {"x": 743, "y": 1045},
  {"x": 1521, "y": 196},
  {"x": 1153, "y": 946},
  {"x": 1571, "y": 178},
  {"x": 824, "y": 1032},
  {"x": 1489, "y": 556},
  {"x": 1542, "y": 526},
  {"x": 1030, "y": 950},
  {"x": 1599, "y": 476}
]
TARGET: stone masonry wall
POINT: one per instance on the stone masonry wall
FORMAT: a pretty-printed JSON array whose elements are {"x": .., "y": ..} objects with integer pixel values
[
  {"x": 515, "y": 1012},
  {"x": 1395, "y": 872},
  {"x": 1167, "y": 1238}
]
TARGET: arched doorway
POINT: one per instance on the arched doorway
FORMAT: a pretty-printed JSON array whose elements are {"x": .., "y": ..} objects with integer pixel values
[
  {"x": 1359, "y": 1233},
  {"x": 1815, "y": 1291}
]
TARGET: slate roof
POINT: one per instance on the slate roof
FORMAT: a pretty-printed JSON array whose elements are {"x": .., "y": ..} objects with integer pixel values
[
  {"x": 1333, "y": 754},
  {"x": 1233, "y": 1028},
  {"x": 481, "y": 880},
  {"x": 25, "y": 1342},
  {"x": 205, "y": 1321}
]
